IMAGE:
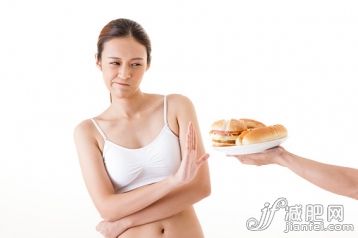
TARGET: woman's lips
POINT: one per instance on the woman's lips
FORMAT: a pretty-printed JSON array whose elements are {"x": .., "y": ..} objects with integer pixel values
[{"x": 121, "y": 84}]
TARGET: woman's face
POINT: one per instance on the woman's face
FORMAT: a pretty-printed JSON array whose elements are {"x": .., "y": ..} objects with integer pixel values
[{"x": 123, "y": 64}]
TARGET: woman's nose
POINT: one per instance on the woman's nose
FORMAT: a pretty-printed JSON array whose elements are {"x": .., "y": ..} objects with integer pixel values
[{"x": 124, "y": 72}]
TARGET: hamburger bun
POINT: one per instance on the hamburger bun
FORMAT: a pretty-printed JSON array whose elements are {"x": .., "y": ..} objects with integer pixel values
[{"x": 225, "y": 132}]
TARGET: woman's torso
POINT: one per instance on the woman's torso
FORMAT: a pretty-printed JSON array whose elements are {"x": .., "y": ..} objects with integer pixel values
[
  {"x": 183, "y": 224},
  {"x": 160, "y": 122}
]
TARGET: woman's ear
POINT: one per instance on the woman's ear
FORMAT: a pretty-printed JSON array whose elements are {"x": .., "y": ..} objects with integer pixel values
[{"x": 98, "y": 62}]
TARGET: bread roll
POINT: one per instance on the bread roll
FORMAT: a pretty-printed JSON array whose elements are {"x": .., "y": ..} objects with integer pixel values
[
  {"x": 262, "y": 134},
  {"x": 241, "y": 136},
  {"x": 252, "y": 123}
]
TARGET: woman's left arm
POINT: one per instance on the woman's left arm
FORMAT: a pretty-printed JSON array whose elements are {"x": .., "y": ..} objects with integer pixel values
[{"x": 185, "y": 195}]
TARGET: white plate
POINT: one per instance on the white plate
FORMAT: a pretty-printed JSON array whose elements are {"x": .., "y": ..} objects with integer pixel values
[{"x": 249, "y": 149}]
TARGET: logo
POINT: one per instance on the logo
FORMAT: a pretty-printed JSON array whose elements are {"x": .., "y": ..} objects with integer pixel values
[{"x": 312, "y": 217}]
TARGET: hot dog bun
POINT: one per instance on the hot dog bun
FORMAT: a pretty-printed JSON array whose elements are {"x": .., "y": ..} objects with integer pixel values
[{"x": 262, "y": 134}]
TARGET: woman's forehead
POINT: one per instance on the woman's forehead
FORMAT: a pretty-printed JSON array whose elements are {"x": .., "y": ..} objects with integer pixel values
[{"x": 124, "y": 48}]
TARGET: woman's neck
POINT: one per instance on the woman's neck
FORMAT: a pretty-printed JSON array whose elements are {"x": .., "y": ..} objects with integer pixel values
[{"x": 128, "y": 107}]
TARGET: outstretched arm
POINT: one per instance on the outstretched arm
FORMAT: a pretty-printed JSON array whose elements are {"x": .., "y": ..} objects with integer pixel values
[{"x": 337, "y": 179}]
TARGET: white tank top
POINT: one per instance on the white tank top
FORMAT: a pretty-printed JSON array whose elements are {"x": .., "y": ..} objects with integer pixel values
[{"x": 132, "y": 168}]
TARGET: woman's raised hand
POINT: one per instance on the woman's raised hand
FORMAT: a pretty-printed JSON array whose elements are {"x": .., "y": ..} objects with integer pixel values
[{"x": 190, "y": 164}]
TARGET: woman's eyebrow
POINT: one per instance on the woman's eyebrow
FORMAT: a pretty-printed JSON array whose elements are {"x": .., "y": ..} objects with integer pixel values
[{"x": 136, "y": 58}]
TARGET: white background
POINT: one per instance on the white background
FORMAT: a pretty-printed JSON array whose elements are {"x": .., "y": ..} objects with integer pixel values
[{"x": 289, "y": 62}]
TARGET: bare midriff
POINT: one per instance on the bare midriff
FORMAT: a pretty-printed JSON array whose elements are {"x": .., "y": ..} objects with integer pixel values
[{"x": 183, "y": 224}]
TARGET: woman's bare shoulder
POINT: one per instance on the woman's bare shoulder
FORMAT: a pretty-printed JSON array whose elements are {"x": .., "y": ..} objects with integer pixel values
[
  {"x": 84, "y": 129},
  {"x": 179, "y": 101}
]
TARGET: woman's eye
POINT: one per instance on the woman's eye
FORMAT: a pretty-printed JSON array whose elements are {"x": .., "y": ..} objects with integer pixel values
[
  {"x": 136, "y": 65},
  {"x": 115, "y": 63}
]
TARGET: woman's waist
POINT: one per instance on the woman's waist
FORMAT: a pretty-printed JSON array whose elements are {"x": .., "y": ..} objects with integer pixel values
[{"x": 182, "y": 224}]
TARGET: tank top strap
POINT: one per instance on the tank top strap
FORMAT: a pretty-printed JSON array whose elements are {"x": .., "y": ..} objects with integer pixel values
[
  {"x": 165, "y": 110},
  {"x": 99, "y": 128}
]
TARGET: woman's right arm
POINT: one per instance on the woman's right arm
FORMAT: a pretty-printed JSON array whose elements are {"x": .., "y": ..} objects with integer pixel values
[{"x": 110, "y": 205}]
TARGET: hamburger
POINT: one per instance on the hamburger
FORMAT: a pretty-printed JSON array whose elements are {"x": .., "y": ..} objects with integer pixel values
[{"x": 226, "y": 132}]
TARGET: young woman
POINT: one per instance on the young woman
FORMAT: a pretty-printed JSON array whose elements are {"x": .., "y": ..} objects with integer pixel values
[{"x": 143, "y": 163}]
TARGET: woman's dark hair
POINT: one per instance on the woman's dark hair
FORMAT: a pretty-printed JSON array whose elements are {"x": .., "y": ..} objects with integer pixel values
[{"x": 123, "y": 28}]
